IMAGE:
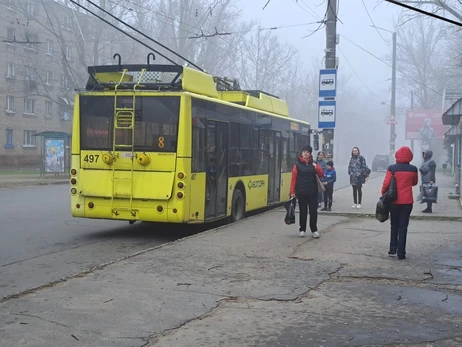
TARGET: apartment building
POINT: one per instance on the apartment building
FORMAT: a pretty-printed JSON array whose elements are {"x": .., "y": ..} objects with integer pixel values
[{"x": 46, "y": 48}]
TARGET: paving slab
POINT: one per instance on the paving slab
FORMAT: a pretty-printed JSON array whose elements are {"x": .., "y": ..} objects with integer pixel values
[{"x": 257, "y": 283}]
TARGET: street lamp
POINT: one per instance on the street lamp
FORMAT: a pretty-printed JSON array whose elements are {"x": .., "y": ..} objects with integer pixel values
[{"x": 393, "y": 92}]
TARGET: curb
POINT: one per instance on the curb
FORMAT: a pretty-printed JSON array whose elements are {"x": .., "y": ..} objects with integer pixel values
[{"x": 19, "y": 184}]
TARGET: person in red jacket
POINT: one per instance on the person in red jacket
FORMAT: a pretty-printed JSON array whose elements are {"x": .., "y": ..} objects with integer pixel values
[
  {"x": 305, "y": 187},
  {"x": 406, "y": 176}
]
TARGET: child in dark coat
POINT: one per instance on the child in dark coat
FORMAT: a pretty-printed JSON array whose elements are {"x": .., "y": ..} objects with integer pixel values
[{"x": 329, "y": 179}]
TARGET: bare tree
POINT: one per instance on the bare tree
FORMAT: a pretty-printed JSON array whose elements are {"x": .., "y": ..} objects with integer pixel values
[{"x": 422, "y": 60}]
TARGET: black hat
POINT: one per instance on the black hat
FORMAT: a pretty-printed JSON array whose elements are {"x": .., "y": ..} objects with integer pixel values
[
  {"x": 330, "y": 163},
  {"x": 307, "y": 148}
]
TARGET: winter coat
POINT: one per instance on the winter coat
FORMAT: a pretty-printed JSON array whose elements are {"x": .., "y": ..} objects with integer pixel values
[
  {"x": 358, "y": 170},
  {"x": 406, "y": 176},
  {"x": 322, "y": 163},
  {"x": 428, "y": 168},
  {"x": 304, "y": 177},
  {"x": 330, "y": 176}
]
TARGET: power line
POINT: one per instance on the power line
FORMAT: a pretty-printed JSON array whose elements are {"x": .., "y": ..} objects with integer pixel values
[
  {"x": 386, "y": 63},
  {"x": 372, "y": 21},
  {"x": 424, "y": 12},
  {"x": 139, "y": 32},
  {"x": 359, "y": 78}
]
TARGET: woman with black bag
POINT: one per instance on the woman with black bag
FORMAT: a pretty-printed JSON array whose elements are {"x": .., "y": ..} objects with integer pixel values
[
  {"x": 305, "y": 185},
  {"x": 405, "y": 176}
]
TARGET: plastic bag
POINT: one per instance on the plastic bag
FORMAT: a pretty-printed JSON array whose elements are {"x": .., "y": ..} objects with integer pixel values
[
  {"x": 430, "y": 193},
  {"x": 382, "y": 211},
  {"x": 290, "y": 208}
]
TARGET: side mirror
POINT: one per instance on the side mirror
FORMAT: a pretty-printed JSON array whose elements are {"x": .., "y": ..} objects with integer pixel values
[{"x": 316, "y": 142}]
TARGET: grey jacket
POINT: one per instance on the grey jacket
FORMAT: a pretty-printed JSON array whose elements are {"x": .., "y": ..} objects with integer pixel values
[{"x": 428, "y": 168}]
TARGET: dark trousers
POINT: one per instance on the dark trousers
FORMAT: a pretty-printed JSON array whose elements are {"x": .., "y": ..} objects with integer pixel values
[
  {"x": 429, "y": 206},
  {"x": 320, "y": 198},
  {"x": 399, "y": 223},
  {"x": 328, "y": 195},
  {"x": 357, "y": 193},
  {"x": 305, "y": 203}
]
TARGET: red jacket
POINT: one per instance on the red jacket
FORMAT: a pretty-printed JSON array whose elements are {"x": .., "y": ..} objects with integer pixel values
[
  {"x": 293, "y": 182},
  {"x": 406, "y": 176}
]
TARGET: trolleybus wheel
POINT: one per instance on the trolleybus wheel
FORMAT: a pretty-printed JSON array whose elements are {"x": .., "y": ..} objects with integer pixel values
[{"x": 237, "y": 206}]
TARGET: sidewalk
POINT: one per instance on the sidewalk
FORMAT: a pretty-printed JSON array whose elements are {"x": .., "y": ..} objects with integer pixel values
[
  {"x": 343, "y": 199},
  {"x": 19, "y": 180},
  {"x": 256, "y": 283}
]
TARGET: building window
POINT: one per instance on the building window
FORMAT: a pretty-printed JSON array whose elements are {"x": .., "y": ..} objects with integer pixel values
[
  {"x": 31, "y": 74},
  {"x": 10, "y": 36},
  {"x": 9, "y": 139},
  {"x": 31, "y": 42},
  {"x": 67, "y": 22},
  {"x": 49, "y": 78},
  {"x": 29, "y": 106},
  {"x": 10, "y": 70},
  {"x": 48, "y": 108},
  {"x": 68, "y": 52},
  {"x": 65, "y": 112},
  {"x": 49, "y": 47},
  {"x": 65, "y": 82},
  {"x": 10, "y": 104},
  {"x": 31, "y": 8},
  {"x": 29, "y": 138}
]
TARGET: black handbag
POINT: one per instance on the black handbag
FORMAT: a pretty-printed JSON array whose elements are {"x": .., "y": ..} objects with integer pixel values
[
  {"x": 391, "y": 194},
  {"x": 290, "y": 208},
  {"x": 430, "y": 193}
]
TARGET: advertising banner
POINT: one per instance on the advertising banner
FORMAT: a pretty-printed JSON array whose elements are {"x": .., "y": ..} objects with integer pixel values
[
  {"x": 424, "y": 125},
  {"x": 54, "y": 156}
]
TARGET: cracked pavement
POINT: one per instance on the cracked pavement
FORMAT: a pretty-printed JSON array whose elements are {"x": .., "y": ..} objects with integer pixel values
[{"x": 256, "y": 283}]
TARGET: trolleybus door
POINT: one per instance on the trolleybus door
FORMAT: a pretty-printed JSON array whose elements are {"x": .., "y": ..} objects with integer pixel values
[
  {"x": 217, "y": 170},
  {"x": 274, "y": 170}
]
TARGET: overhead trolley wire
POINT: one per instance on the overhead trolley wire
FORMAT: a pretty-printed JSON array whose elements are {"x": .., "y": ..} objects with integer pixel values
[
  {"x": 132, "y": 37},
  {"x": 141, "y": 33}
]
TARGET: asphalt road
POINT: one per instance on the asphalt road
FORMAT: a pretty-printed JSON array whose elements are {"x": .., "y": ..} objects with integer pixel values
[{"x": 41, "y": 242}]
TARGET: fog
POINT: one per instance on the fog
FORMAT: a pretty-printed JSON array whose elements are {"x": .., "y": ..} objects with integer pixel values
[{"x": 276, "y": 46}]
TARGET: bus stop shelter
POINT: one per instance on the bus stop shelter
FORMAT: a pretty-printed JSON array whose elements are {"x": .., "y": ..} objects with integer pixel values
[
  {"x": 453, "y": 137},
  {"x": 55, "y": 153}
]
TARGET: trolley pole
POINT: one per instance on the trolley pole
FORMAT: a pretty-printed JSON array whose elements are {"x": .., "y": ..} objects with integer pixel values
[
  {"x": 393, "y": 100},
  {"x": 331, "y": 63}
]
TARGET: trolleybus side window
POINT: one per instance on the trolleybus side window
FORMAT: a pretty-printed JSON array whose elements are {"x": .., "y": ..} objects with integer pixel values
[
  {"x": 198, "y": 138},
  {"x": 234, "y": 152}
]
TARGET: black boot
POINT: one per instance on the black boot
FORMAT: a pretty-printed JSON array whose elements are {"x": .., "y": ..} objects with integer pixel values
[
  {"x": 329, "y": 208},
  {"x": 324, "y": 208},
  {"x": 427, "y": 210}
]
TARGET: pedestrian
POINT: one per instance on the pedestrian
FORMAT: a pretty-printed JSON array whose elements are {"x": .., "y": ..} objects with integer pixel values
[
  {"x": 358, "y": 171},
  {"x": 304, "y": 186},
  {"x": 406, "y": 176},
  {"x": 322, "y": 163},
  {"x": 428, "y": 174},
  {"x": 330, "y": 176}
]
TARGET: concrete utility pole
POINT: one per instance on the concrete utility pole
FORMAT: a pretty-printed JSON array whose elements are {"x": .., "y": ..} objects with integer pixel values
[
  {"x": 393, "y": 100},
  {"x": 331, "y": 61}
]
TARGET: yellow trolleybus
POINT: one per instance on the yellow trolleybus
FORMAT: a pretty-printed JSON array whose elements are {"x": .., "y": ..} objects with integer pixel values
[{"x": 167, "y": 143}]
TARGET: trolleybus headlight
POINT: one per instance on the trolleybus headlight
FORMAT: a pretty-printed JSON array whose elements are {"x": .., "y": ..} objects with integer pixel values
[
  {"x": 160, "y": 209},
  {"x": 180, "y": 175},
  {"x": 180, "y": 185},
  {"x": 91, "y": 205},
  {"x": 73, "y": 191},
  {"x": 73, "y": 181},
  {"x": 179, "y": 195},
  {"x": 175, "y": 210},
  {"x": 143, "y": 159},
  {"x": 73, "y": 172}
]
